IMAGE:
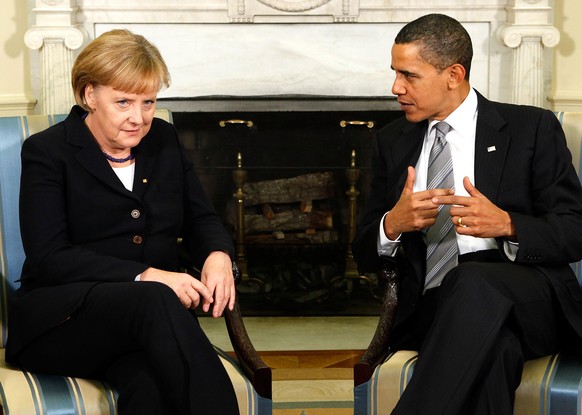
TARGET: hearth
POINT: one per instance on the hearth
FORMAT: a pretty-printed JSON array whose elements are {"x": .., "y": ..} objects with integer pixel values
[{"x": 289, "y": 185}]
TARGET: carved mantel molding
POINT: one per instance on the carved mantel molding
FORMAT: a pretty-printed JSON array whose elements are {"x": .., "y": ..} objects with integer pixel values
[
  {"x": 294, "y": 6},
  {"x": 338, "y": 11},
  {"x": 527, "y": 32},
  {"x": 513, "y": 35},
  {"x": 72, "y": 37},
  {"x": 509, "y": 32},
  {"x": 56, "y": 35}
]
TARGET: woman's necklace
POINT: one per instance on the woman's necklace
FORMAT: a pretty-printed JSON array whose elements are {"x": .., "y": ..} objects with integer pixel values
[{"x": 113, "y": 159}]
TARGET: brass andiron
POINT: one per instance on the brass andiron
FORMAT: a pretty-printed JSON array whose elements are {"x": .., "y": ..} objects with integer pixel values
[
  {"x": 352, "y": 175},
  {"x": 239, "y": 176},
  {"x": 351, "y": 272}
]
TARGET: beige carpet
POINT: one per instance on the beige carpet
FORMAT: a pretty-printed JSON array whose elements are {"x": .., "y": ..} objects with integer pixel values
[
  {"x": 313, "y": 392},
  {"x": 297, "y": 333},
  {"x": 312, "y": 382}
]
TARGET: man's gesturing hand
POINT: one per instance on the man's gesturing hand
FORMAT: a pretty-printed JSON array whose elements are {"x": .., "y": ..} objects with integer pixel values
[
  {"x": 413, "y": 211},
  {"x": 478, "y": 216}
]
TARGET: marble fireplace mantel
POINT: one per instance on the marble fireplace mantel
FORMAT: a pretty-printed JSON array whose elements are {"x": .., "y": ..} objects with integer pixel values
[{"x": 285, "y": 53}]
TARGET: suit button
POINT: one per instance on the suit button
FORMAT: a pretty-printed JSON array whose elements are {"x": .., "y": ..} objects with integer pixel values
[
  {"x": 135, "y": 213},
  {"x": 137, "y": 239}
]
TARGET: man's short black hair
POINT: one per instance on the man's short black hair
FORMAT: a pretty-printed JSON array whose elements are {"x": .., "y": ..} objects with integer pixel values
[{"x": 442, "y": 41}]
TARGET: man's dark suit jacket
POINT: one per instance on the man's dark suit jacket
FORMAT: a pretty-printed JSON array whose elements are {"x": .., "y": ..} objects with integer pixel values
[
  {"x": 80, "y": 226},
  {"x": 522, "y": 165}
]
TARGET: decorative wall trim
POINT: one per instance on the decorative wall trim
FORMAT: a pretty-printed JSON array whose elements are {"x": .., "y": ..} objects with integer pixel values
[
  {"x": 13, "y": 104},
  {"x": 294, "y": 6},
  {"x": 566, "y": 101}
]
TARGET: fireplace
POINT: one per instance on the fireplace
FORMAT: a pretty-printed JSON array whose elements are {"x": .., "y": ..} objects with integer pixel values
[
  {"x": 296, "y": 69},
  {"x": 315, "y": 166}
]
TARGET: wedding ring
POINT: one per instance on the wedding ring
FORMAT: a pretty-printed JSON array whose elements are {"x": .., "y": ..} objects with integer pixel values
[{"x": 460, "y": 221}]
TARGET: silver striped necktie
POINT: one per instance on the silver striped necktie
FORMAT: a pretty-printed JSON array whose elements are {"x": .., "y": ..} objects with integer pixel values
[{"x": 442, "y": 250}]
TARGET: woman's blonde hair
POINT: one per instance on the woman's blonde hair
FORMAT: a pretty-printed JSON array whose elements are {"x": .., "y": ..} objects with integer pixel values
[{"x": 122, "y": 60}]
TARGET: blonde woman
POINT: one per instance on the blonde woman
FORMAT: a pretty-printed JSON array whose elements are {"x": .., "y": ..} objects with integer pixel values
[{"x": 105, "y": 195}]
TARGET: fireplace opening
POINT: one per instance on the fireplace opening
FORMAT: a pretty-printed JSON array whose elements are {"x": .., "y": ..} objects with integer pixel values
[{"x": 289, "y": 186}]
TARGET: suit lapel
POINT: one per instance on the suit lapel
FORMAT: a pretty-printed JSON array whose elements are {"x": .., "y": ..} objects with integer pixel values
[
  {"x": 146, "y": 155},
  {"x": 409, "y": 144},
  {"x": 94, "y": 162},
  {"x": 89, "y": 154},
  {"x": 491, "y": 146}
]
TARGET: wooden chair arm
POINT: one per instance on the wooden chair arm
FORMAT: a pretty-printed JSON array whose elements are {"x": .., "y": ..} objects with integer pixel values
[
  {"x": 255, "y": 368},
  {"x": 378, "y": 350}
]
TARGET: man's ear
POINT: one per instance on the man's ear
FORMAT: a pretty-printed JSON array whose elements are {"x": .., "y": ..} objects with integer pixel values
[{"x": 456, "y": 75}]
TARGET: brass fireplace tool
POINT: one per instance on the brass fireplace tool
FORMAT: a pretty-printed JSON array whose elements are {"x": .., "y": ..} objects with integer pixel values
[
  {"x": 352, "y": 176},
  {"x": 239, "y": 176}
]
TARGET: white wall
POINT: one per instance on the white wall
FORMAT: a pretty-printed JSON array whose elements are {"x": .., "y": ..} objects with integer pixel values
[
  {"x": 566, "y": 87},
  {"x": 15, "y": 85}
]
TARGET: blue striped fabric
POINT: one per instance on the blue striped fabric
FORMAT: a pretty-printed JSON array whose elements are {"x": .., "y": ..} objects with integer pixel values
[
  {"x": 13, "y": 131},
  {"x": 550, "y": 386},
  {"x": 255, "y": 404},
  {"x": 563, "y": 393},
  {"x": 572, "y": 125},
  {"x": 24, "y": 393}
]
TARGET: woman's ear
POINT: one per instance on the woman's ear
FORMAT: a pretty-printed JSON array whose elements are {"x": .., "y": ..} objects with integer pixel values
[{"x": 90, "y": 96}]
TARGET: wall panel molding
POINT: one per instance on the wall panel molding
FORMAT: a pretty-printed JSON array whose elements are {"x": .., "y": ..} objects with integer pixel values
[{"x": 16, "y": 104}]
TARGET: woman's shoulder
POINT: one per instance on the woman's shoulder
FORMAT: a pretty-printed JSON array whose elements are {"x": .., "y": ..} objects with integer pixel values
[
  {"x": 163, "y": 129},
  {"x": 50, "y": 137}
]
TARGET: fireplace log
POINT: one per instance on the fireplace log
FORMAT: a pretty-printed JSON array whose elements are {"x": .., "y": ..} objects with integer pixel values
[
  {"x": 304, "y": 188},
  {"x": 268, "y": 212},
  {"x": 289, "y": 220},
  {"x": 286, "y": 238},
  {"x": 306, "y": 206}
]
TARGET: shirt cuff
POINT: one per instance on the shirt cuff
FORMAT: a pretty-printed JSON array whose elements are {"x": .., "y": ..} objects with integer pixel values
[
  {"x": 138, "y": 278},
  {"x": 510, "y": 249},
  {"x": 386, "y": 247}
]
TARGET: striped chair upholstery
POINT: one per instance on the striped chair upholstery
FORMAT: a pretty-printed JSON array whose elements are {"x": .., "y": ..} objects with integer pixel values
[
  {"x": 549, "y": 386},
  {"x": 22, "y": 392},
  {"x": 572, "y": 125}
]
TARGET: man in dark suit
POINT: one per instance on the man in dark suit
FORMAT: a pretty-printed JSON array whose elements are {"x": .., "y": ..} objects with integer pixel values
[{"x": 507, "y": 206}]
